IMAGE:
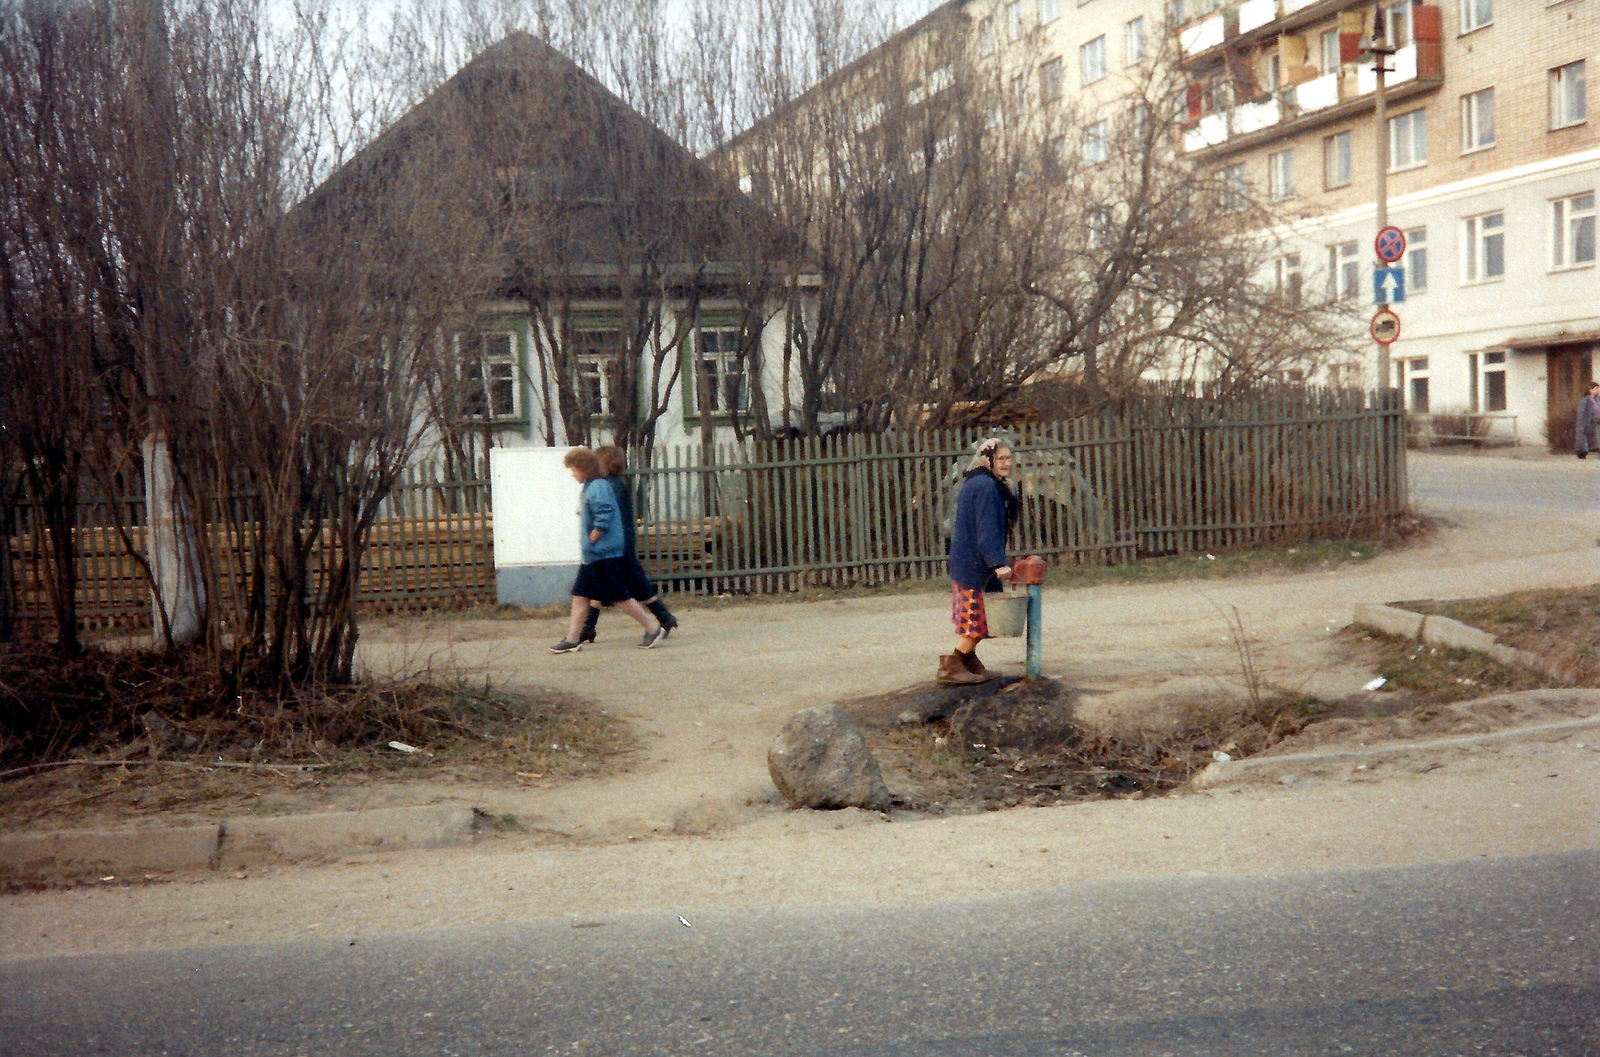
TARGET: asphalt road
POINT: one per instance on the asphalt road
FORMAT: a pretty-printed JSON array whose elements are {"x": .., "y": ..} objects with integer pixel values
[
  {"x": 1493, "y": 957},
  {"x": 1554, "y": 486}
]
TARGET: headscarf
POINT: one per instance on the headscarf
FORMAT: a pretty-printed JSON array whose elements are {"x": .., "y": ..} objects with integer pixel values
[{"x": 983, "y": 463}]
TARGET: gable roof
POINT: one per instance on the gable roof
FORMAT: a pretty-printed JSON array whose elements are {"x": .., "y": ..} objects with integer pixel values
[{"x": 595, "y": 186}]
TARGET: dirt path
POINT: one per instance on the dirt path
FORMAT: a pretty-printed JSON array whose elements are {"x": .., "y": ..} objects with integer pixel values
[
  {"x": 709, "y": 701},
  {"x": 1520, "y": 798}
]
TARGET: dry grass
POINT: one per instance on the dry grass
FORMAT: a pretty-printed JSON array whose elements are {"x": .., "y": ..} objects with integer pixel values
[
  {"x": 1562, "y": 625},
  {"x": 132, "y": 732}
]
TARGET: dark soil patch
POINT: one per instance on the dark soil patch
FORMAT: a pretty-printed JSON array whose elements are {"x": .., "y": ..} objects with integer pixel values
[
  {"x": 1561, "y": 625},
  {"x": 124, "y": 733},
  {"x": 1011, "y": 742}
]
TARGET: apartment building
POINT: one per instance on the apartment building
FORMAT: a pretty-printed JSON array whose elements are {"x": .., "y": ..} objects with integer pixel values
[{"x": 1492, "y": 164}]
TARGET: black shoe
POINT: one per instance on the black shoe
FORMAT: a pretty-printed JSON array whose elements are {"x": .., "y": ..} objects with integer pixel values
[
  {"x": 652, "y": 637},
  {"x": 1583, "y": 455},
  {"x": 566, "y": 646},
  {"x": 590, "y": 624},
  {"x": 664, "y": 615}
]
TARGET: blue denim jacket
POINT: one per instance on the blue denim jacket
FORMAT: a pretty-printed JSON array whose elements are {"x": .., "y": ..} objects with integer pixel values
[{"x": 600, "y": 512}]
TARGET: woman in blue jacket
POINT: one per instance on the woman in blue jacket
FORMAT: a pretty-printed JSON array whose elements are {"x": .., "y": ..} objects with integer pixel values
[
  {"x": 985, "y": 511},
  {"x": 612, "y": 465},
  {"x": 603, "y": 577}
]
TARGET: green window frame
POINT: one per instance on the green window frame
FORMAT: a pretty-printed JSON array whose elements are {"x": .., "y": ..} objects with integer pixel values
[
  {"x": 718, "y": 357},
  {"x": 492, "y": 359},
  {"x": 594, "y": 381}
]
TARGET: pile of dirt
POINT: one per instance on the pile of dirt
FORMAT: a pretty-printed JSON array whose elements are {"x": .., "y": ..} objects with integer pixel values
[{"x": 1011, "y": 742}]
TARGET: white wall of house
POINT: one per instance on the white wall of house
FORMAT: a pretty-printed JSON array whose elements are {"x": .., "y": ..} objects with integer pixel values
[{"x": 1537, "y": 300}]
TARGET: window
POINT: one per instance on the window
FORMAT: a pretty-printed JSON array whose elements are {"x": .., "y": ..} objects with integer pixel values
[
  {"x": 1568, "y": 105},
  {"x": 1477, "y": 120},
  {"x": 1092, "y": 59},
  {"x": 1235, "y": 187},
  {"x": 1329, "y": 44},
  {"x": 1097, "y": 142},
  {"x": 1418, "y": 390},
  {"x": 1475, "y": 14},
  {"x": 1399, "y": 24},
  {"x": 719, "y": 372},
  {"x": 1416, "y": 261},
  {"x": 1344, "y": 271},
  {"x": 1139, "y": 119},
  {"x": 1050, "y": 81},
  {"x": 1019, "y": 93},
  {"x": 1572, "y": 234},
  {"x": 1336, "y": 160},
  {"x": 1287, "y": 279},
  {"x": 1049, "y": 11},
  {"x": 1099, "y": 227},
  {"x": 489, "y": 369},
  {"x": 1133, "y": 41},
  {"x": 940, "y": 79},
  {"x": 1494, "y": 381},
  {"x": 869, "y": 117},
  {"x": 1485, "y": 256},
  {"x": 596, "y": 354},
  {"x": 1408, "y": 140},
  {"x": 1280, "y": 175},
  {"x": 985, "y": 36},
  {"x": 1014, "y": 20}
]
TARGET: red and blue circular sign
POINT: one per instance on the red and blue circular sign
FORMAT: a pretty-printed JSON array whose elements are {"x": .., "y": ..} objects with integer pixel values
[{"x": 1390, "y": 244}]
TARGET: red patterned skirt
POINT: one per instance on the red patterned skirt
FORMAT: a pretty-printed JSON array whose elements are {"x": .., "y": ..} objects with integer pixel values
[{"x": 967, "y": 613}]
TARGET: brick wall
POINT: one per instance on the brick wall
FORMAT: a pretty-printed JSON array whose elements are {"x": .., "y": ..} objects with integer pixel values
[{"x": 1514, "y": 55}]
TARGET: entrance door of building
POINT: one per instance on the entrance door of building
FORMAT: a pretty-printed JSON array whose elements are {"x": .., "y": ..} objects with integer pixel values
[{"x": 1568, "y": 374}]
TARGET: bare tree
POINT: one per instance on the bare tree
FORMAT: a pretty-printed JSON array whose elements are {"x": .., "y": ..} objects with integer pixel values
[{"x": 977, "y": 233}]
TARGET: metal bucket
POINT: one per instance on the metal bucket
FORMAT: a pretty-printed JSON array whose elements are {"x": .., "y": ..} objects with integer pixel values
[{"x": 1007, "y": 613}]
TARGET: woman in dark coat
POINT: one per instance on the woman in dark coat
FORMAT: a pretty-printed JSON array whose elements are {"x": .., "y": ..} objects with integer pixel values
[
  {"x": 612, "y": 465},
  {"x": 985, "y": 511},
  {"x": 1588, "y": 424}
]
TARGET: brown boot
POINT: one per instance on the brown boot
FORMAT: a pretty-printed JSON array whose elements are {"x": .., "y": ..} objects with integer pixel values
[
  {"x": 953, "y": 671},
  {"x": 973, "y": 665}
]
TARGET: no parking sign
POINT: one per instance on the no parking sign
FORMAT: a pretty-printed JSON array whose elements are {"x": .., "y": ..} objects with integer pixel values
[{"x": 1390, "y": 245}]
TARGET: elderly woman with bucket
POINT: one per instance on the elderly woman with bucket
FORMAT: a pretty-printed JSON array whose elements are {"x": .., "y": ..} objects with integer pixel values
[{"x": 986, "y": 509}]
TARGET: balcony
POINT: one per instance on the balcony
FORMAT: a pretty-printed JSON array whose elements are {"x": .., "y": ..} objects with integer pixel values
[
  {"x": 1239, "y": 25},
  {"x": 1305, "y": 97}
]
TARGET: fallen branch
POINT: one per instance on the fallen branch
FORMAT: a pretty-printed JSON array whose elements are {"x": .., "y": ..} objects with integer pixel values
[{"x": 277, "y": 767}]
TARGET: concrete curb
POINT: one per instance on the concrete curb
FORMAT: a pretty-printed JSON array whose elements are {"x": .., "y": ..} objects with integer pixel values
[
  {"x": 69, "y": 855},
  {"x": 1216, "y": 773},
  {"x": 1451, "y": 634}
]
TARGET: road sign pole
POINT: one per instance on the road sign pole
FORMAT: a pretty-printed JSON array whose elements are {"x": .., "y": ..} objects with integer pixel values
[{"x": 1380, "y": 54}]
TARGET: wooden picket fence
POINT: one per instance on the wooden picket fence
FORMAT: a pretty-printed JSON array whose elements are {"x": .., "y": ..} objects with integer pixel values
[
  {"x": 432, "y": 548},
  {"x": 1170, "y": 475},
  {"x": 1165, "y": 477}
]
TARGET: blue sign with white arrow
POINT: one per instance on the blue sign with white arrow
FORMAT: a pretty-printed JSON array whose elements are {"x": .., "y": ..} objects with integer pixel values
[{"x": 1388, "y": 286}]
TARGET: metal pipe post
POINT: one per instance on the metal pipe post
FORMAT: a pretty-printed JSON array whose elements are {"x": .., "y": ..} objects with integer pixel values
[
  {"x": 1035, "y": 650},
  {"x": 1381, "y": 50}
]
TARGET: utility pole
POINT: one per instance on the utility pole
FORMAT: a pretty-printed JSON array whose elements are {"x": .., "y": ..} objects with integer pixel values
[{"x": 1381, "y": 49}]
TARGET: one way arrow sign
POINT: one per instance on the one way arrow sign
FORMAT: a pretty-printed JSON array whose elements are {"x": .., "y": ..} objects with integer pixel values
[{"x": 1388, "y": 286}]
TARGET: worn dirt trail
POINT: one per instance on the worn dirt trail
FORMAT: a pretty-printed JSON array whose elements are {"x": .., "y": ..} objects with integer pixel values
[
  {"x": 694, "y": 823},
  {"x": 710, "y": 700}
]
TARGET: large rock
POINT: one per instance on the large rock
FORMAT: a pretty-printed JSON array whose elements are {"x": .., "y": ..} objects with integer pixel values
[{"x": 821, "y": 760}]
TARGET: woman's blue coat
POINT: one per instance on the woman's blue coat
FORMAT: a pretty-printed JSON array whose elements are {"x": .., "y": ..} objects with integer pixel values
[
  {"x": 978, "y": 544},
  {"x": 599, "y": 511}
]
